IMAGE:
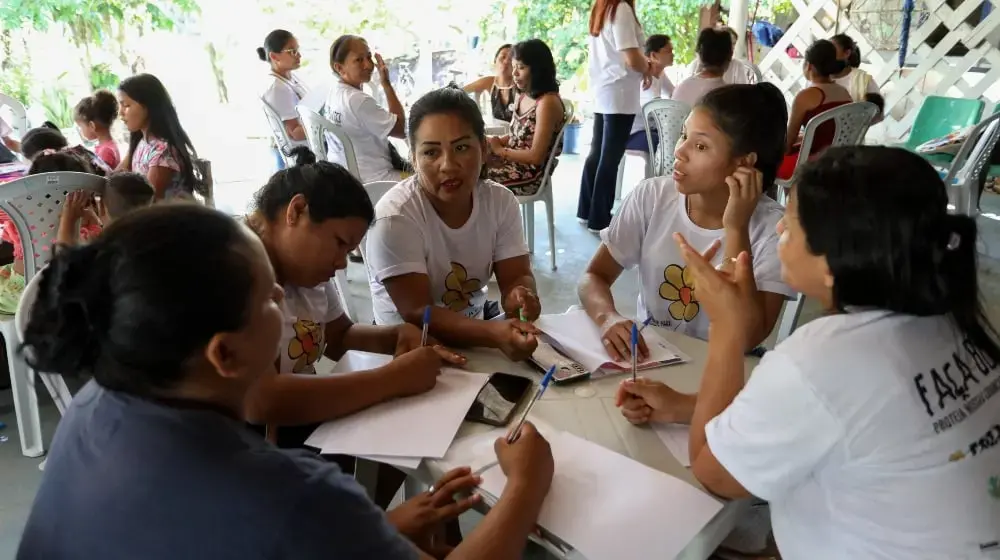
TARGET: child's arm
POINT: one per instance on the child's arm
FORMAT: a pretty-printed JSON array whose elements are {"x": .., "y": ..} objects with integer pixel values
[{"x": 69, "y": 221}]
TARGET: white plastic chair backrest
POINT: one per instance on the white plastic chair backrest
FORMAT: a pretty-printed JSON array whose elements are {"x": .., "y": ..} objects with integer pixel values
[
  {"x": 668, "y": 117},
  {"x": 320, "y": 130},
  {"x": 568, "y": 111},
  {"x": 975, "y": 151},
  {"x": 277, "y": 127},
  {"x": 34, "y": 204},
  {"x": 377, "y": 189},
  {"x": 20, "y": 121},
  {"x": 851, "y": 120}
]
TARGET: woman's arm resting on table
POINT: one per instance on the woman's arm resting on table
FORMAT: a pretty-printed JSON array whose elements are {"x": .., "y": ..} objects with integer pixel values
[
  {"x": 512, "y": 274},
  {"x": 594, "y": 291},
  {"x": 550, "y": 115},
  {"x": 342, "y": 335},
  {"x": 411, "y": 295}
]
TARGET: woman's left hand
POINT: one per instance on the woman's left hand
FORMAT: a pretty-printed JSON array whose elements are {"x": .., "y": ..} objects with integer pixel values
[
  {"x": 727, "y": 297},
  {"x": 408, "y": 338},
  {"x": 745, "y": 187},
  {"x": 421, "y": 519},
  {"x": 383, "y": 71},
  {"x": 522, "y": 301}
]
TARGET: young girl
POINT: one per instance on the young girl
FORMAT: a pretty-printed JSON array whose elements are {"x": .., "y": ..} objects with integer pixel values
[
  {"x": 821, "y": 65},
  {"x": 729, "y": 149},
  {"x": 47, "y": 139},
  {"x": 539, "y": 114},
  {"x": 368, "y": 125},
  {"x": 281, "y": 52},
  {"x": 94, "y": 116},
  {"x": 158, "y": 147},
  {"x": 152, "y": 459},
  {"x": 440, "y": 235},
  {"x": 872, "y": 430}
]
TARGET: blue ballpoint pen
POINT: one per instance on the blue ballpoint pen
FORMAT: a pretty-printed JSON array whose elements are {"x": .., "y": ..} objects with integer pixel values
[
  {"x": 635, "y": 349},
  {"x": 427, "y": 324},
  {"x": 646, "y": 323},
  {"x": 516, "y": 432}
]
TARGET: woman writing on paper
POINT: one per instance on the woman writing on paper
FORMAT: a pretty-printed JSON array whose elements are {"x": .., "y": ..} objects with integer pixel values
[
  {"x": 871, "y": 431},
  {"x": 730, "y": 148},
  {"x": 440, "y": 235},
  {"x": 152, "y": 459}
]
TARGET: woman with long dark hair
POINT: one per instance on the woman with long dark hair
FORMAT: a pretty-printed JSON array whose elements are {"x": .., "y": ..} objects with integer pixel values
[
  {"x": 617, "y": 69},
  {"x": 158, "y": 147}
]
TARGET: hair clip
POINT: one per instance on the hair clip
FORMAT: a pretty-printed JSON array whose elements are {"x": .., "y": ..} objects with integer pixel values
[{"x": 953, "y": 241}]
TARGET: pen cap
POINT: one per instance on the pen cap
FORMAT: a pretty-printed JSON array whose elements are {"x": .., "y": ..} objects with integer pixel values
[{"x": 427, "y": 314}]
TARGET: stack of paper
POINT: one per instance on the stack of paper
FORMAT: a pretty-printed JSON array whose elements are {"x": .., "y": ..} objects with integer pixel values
[
  {"x": 576, "y": 336},
  {"x": 403, "y": 431},
  {"x": 605, "y": 505}
]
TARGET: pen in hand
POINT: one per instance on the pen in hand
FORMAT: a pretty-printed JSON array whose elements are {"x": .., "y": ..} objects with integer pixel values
[
  {"x": 426, "y": 325},
  {"x": 516, "y": 432}
]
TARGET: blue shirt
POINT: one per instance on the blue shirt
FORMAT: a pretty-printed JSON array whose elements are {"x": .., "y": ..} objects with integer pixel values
[{"x": 130, "y": 478}]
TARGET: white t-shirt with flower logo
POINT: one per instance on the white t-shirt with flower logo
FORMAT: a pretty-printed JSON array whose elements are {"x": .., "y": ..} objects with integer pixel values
[
  {"x": 409, "y": 238},
  {"x": 641, "y": 234},
  {"x": 306, "y": 312}
]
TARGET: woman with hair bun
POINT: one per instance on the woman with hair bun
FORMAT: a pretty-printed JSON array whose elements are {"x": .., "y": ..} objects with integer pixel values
[
  {"x": 283, "y": 94},
  {"x": 820, "y": 67}
]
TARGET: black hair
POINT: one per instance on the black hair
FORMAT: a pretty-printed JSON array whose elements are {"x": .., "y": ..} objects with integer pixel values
[
  {"x": 60, "y": 161},
  {"x": 101, "y": 108},
  {"x": 148, "y": 91},
  {"x": 273, "y": 43},
  {"x": 330, "y": 190},
  {"x": 655, "y": 43},
  {"x": 753, "y": 116},
  {"x": 341, "y": 47},
  {"x": 880, "y": 217},
  {"x": 714, "y": 48},
  {"x": 448, "y": 100},
  {"x": 496, "y": 55},
  {"x": 125, "y": 191},
  {"x": 116, "y": 308},
  {"x": 535, "y": 54},
  {"x": 846, "y": 43},
  {"x": 822, "y": 56},
  {"x": 45, "y": 137}
]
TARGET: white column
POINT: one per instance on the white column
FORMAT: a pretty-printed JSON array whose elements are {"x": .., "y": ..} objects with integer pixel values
[{"x": 738, "y": 21}]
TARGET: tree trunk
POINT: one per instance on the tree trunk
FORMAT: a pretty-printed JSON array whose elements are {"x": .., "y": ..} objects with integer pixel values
[{"x": 220, "y": 77}]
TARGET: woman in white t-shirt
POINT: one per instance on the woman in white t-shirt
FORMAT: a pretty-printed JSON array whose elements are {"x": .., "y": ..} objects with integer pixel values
[
  {"x": 715, "y": 51},
  {"x": 309, "y": 218},
  {"x": 617, "y": 69},
  {"x": 285, "y": 91},
  {"x": 874, "y": 431},
  {"x": 368, "y": 125},
  {"x": 730, "y": 148},
  {"x": 440, "y": 235},
  {"x": 859, "y": 83}
]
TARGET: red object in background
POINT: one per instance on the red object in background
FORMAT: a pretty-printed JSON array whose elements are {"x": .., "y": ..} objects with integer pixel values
[{"x": 793, "y": 52}]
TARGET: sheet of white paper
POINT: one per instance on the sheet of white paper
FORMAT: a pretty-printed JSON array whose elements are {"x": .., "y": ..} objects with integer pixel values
[
  {"x": 418, "y": 426},
  {"x": 411, "y": 463},
  {"x": 609, "y": 507},
  {"x": 675, "y": 437},
  {"x": 578, "y": 337},
  {"x": 359, "y": 361}
]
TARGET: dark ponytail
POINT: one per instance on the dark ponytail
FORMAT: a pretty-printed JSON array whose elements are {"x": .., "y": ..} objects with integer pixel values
[
  {"x": 115, "y": 308},
  {"x": 879, "y": 216},
  {"x": 753, "y": 116},
  {"x": 846, "y": 43}
]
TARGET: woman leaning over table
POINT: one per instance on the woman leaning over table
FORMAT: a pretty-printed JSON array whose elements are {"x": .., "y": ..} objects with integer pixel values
[
  {"x": 440, "y": 235},
  {"x": 871, "y": 431},
  {"x": 368, "y": 125},
  {"x": 617, "y": 69}
]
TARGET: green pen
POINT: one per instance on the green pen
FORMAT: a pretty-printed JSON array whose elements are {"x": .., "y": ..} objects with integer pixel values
[{"x": 520, "y": 314}]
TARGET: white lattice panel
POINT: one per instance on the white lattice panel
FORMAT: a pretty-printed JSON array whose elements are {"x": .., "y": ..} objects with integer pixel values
[{"x": 934, "y": 73}]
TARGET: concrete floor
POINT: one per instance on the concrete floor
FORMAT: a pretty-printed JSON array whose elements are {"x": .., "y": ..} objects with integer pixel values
[{"x": 20, "y": 477}]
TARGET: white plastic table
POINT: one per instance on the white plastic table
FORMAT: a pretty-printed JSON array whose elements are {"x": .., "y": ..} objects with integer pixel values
[{"x": 587, "y": 409}]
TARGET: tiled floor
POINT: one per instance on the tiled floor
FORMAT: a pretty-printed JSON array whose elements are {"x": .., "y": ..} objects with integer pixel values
[{"x": 19, "y": 476}]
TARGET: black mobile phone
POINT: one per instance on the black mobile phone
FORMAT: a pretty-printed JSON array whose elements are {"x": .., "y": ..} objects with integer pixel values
[{"x": 496, "y": 402}]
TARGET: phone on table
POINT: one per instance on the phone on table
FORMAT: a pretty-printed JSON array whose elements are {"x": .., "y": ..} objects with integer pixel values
[{"x": 496, "y": 402}]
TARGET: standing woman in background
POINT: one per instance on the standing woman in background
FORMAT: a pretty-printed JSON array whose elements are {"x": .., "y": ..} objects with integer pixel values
[
  {"x": 617, "y": 66},
  {"x": 501, "y": 86},
  {"x": 281, "y": 52}
]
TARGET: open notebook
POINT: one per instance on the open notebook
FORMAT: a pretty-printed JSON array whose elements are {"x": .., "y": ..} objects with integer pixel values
[{"x": 575, "y": 336}]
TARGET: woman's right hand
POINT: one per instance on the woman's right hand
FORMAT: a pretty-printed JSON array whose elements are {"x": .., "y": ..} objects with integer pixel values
[
  {"x": 516, "y": 339},
  {"x": 527, "y": 461},
  {"x": 417, "y": 371},
  {"x": 616, "y": 335}
]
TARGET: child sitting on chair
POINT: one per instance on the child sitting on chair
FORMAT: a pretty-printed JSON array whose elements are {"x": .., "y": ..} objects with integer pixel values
[{"x": 84, "y": 214}]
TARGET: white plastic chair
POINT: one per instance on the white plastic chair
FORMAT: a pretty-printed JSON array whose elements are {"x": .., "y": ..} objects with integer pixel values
[
  {"x": 851, "y": 120},
  {"x": 544, "y": 194},
  {"x": 34, "y": 204},
  {"x": 668, "y": 117},
  {"x": 320, "y": 130},
  {"x": 962, "y": 179},
  {"x": 278, "y": 132},
  {"x": 20, "y": 122}
]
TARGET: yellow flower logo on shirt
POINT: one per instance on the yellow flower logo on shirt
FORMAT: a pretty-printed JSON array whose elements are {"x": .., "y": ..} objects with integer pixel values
[
  {"x": 306, "y": 346},
  {"x": 459, "y": 288},
  {"x": 678, "y": 288},
  {"x": 956, "y": 456}
]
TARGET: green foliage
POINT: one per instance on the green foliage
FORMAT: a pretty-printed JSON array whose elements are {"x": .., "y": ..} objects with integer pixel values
[
  {"x": 102, "y": 77},
  {"x": 15, "y": 81},
  {"x": 55, "y": 102},
  {"x": 90, "y": 21}
]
